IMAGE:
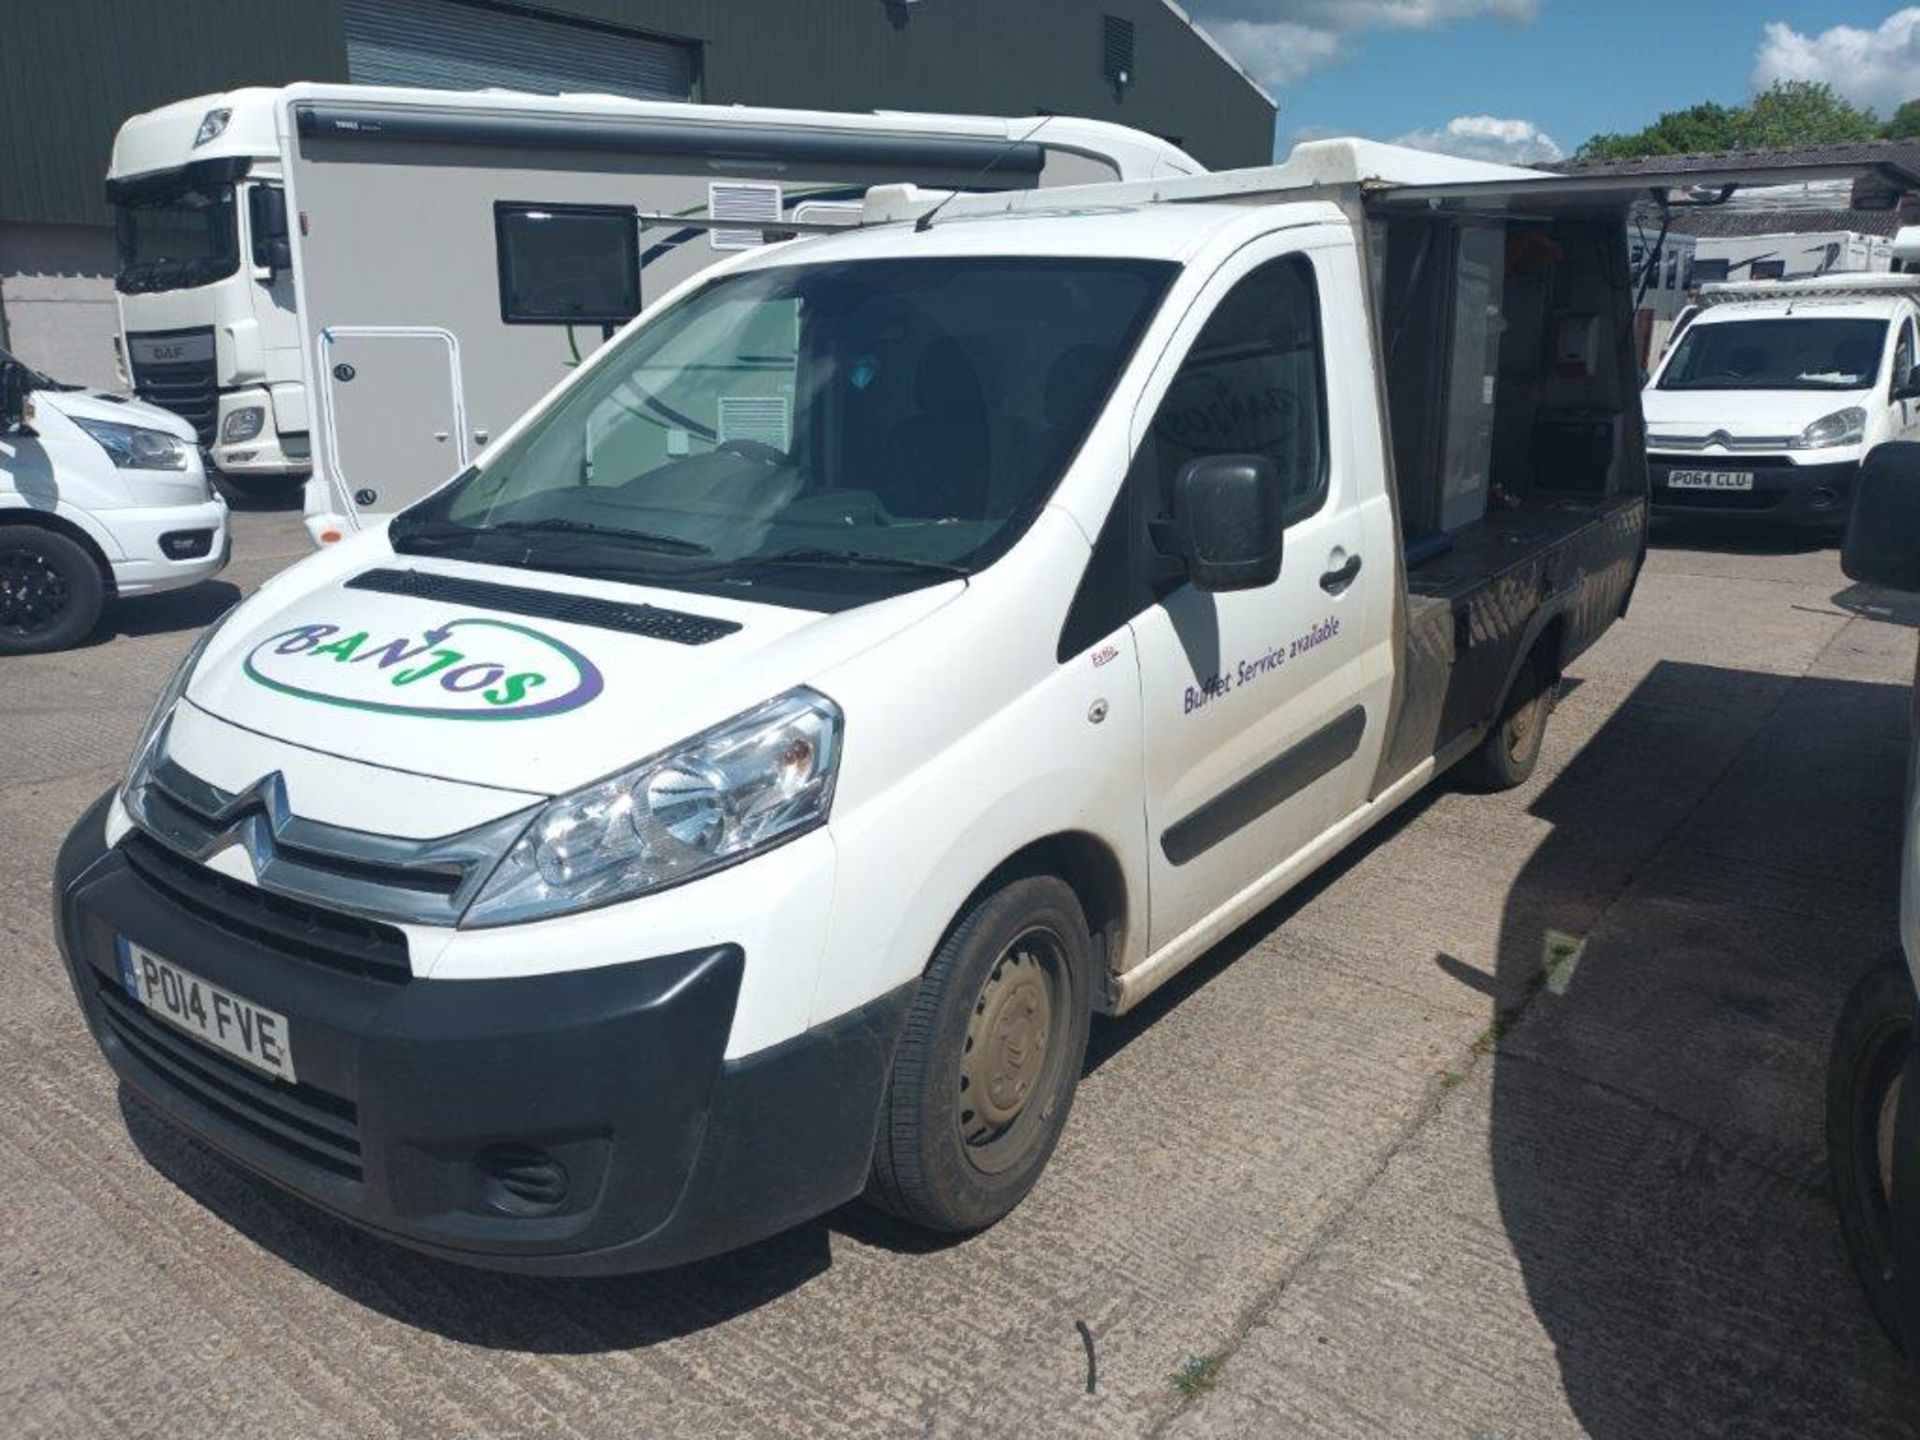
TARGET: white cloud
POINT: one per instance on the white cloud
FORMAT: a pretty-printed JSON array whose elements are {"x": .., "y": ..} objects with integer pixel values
[
  {"x": 1878, "y": 68},
  {"x": 1487, "y": 137},
  {"x": 1281, "y": 40}
]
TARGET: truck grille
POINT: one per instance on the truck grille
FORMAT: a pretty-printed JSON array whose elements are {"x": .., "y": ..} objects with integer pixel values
[
  {"x": 305, "y": 1122},
  {"x": 189, "y": 388}
]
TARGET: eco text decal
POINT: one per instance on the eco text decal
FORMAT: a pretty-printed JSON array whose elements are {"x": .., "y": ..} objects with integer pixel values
[
  {"x": 465, "y": 669},
  {"x": 1245, "y": 672}
]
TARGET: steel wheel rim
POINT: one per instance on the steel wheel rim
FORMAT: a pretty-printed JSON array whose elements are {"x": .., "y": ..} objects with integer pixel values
[
  {"x": 33, "y": 592},
  {"x": 1010, "y": 1058}
]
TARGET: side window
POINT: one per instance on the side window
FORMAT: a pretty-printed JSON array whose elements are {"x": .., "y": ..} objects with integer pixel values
[
  {"x": 1903, "y": 355},
  {"x": 1253, "y": 384},
  {"x": 567, "y": 264}
]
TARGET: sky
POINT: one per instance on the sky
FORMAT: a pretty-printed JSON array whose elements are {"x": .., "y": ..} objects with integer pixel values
[{"x": 1529, "y": 80}]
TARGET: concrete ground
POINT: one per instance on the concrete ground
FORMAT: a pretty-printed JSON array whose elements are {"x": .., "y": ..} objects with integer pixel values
[{"x": 1366, "y": 1170}]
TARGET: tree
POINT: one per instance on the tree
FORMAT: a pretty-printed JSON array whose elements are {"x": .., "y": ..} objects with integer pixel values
[
  {"x": 1787, "y": 113},
  {"x": 1905, "y": 124}
]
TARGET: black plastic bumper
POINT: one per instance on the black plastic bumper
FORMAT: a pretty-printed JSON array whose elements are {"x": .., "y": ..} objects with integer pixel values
[
  {"x": 414, "y": 1095},
  {"x": 1783, "y": 493}
]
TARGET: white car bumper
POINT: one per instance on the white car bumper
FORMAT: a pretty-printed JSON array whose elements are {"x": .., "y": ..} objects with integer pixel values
[{"x": 168, "y": 546}]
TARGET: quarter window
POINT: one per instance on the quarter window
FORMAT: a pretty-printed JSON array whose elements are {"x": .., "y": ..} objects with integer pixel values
[
  {"x": 1253, "y": 384},
  {"x": 568, "y": 264}
]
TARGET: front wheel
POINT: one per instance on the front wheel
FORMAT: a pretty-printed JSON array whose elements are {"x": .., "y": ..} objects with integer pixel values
[
  {"x": 988, "y": 1061},
  {"x": 1870, "y": 1051},
  {"x": 51, "y": 592}
]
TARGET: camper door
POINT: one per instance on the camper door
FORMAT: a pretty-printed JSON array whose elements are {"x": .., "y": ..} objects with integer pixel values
[{"x": 392, "y": 415}]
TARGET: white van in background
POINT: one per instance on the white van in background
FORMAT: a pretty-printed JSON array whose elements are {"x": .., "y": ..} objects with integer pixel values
[
  {"x": 101, "y": 498},
  {"x": 1776, "y": 390},
  {"x": 512, "y": 232}
]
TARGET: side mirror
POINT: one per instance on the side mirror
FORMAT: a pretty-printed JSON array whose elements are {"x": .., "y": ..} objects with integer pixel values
[
  {"x": 1882, "y": 545},
  {"x": 1227, "y": 524},
  {"x": 13, "y": 396},
  {"x": 267, "y": 218},
  {"x": 1907, "y": 387}
]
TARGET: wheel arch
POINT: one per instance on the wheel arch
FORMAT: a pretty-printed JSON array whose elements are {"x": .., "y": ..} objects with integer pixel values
[
  {"x": 1091, "y": 869},
  {"x": 58, "y": 524}
]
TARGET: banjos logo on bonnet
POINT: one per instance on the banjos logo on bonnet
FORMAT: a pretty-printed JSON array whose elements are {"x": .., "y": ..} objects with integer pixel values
[{"x": 471, "y": 668}]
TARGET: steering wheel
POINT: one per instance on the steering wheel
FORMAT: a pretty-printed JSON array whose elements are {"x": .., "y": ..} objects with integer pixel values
[{"x": 752, "y": 450}]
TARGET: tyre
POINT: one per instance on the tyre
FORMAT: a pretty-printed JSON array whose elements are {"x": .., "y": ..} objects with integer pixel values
[
  {"x": 1512, "y": 748},
  {"x": 1870, "y": 1050},
  {"x": 988, "y": 1061},
  {"x": 51, "y": 592}
]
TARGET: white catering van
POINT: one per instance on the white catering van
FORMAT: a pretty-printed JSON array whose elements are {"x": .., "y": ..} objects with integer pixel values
[
  {"x": 651, "y": 839},
  {"x": 1765, "y": 406},
  {"x": 101, "y": 499}
]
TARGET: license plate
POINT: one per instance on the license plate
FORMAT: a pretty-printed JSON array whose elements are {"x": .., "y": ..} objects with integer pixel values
[
  {"x": 214, "y": 1016},
  {"x": 1710, "y": 480}
]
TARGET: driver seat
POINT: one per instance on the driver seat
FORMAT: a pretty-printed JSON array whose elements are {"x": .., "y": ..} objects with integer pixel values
[{"x": 938, "y": 458}]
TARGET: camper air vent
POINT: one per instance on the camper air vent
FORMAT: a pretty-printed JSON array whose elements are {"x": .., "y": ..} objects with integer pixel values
[
  {"x": 648, "y": 620},
  {"x": 1116, "y": 49},
  {"x": 741, "y": 200},
  {"x": 755, "y": 417}
]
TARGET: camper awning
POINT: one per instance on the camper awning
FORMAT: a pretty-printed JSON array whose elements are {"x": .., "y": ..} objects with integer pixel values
[{"x": 1877, "y": 185}]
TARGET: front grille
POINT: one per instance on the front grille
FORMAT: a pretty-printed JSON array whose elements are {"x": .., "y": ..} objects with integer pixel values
[
  {"x": 189, "y": 388},
  {"x": 305, "y": 1122},
  {"x": 648, "y": 620},
  {"x": 276, "y": 923}
]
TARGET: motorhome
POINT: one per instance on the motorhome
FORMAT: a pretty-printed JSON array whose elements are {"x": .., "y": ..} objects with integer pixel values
[
  {"x": 1765, "y": 406},
  {"x": 102, "y": 500},
  {"x": 655, "y": 836},
  {"x": 1787, "y": 255},
  {"x": 454, "y": 253},
  {"x": 1660, "y": 266}
]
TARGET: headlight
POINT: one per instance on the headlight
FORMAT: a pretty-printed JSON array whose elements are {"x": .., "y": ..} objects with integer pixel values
[
  {"x": 1842, "y": 427},
  {"x": 244, "y": 423},
  {"x": 146, "y": 747},
  {"x": 753, "y": 782},
  {"x": 132, "y": 448}
]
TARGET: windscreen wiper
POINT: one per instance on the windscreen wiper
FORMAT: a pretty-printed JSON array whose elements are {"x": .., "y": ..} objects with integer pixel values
[
  {"x": 822, "y": 555},
  {"x": 438, "y": 532}
]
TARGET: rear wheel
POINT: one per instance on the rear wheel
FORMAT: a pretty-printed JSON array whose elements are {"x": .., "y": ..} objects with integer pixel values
[
  {"x": 1507, "y": 756},
  {"x": 1870, "y": 1051},
  {"x": 51, "y": 592},
  {"x": 989, "y": 1060}
]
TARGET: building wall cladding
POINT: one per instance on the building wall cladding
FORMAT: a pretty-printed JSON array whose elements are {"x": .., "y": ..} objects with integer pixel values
[{"x": 70, "y": 73}]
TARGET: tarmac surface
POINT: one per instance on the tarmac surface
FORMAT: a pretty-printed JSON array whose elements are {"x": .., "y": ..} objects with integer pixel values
[{"x": 1507, "y": 1124}]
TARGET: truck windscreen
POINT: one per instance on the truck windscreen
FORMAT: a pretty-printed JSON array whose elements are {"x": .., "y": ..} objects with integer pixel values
[
  {"x": 173, "y": 238},
  {"x": 860, "y": 425},
  {"x": 1785, "y": 353}
]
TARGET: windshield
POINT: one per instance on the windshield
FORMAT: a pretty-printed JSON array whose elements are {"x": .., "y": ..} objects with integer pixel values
[
  {"x": 1790, "y": 353},
  {"x": 176, "y": 236},
  {"x": 846, "y": 429}
]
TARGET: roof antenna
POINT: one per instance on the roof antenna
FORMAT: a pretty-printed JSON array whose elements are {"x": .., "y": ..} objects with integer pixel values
[{"x": 925, "y": 222}]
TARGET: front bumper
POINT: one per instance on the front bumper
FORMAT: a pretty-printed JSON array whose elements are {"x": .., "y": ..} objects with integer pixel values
[
  {"x": 145, "y": 566},
  {"x": 407, "y": 1085},
  {"x": 1783, "y": 492},
  {"x": 270, "y": 454}
]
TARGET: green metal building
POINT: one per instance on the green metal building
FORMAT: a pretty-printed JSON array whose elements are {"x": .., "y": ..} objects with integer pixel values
[{"x": 71, "y": 73}]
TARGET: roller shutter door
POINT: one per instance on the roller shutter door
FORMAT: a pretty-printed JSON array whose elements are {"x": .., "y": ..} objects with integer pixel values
[{"x": 447, "y": 45}]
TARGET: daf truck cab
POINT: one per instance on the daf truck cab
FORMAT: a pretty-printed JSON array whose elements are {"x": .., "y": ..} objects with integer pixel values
[
  {"x": 654, "y": 837},
  {"x": 205, "y": 280},
  {"x": 1776, "y": 390},
  {"x": 102, "y": 499}
]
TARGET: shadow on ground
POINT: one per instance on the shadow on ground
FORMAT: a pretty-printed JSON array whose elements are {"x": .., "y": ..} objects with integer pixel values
[
  {"x": 1675, "y": 532},
  {"x": 1656, "y": 1113},
  {"x": 266, "y": 495},
  {"x": 193, "y": 608}
]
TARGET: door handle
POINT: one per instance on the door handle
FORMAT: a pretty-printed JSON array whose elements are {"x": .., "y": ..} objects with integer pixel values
[{"x": 1334, "y": 581}]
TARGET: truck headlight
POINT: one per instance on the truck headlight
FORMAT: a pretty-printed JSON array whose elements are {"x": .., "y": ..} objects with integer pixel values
[
  {"x": 243, "y": 424},
  {"x": 1842, "y": 427},
  {"x": 146, "y": 748},
  {"x": 752, "y": 782},
  {"x": 131, "y": 448}
]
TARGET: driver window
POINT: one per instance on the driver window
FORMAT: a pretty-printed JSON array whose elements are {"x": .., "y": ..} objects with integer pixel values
[
  {"x": 1903, "y": 356},
  {"x": 1253, "y": 385}
]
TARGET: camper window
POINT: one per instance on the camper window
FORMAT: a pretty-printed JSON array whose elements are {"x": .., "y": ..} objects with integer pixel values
[
  {"x": 1252, "y": 385},
  {"x": 567, "y": 264}
]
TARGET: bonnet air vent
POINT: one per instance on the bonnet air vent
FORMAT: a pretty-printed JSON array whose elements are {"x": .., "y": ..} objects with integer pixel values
[{"x": 648, "y": 620}]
